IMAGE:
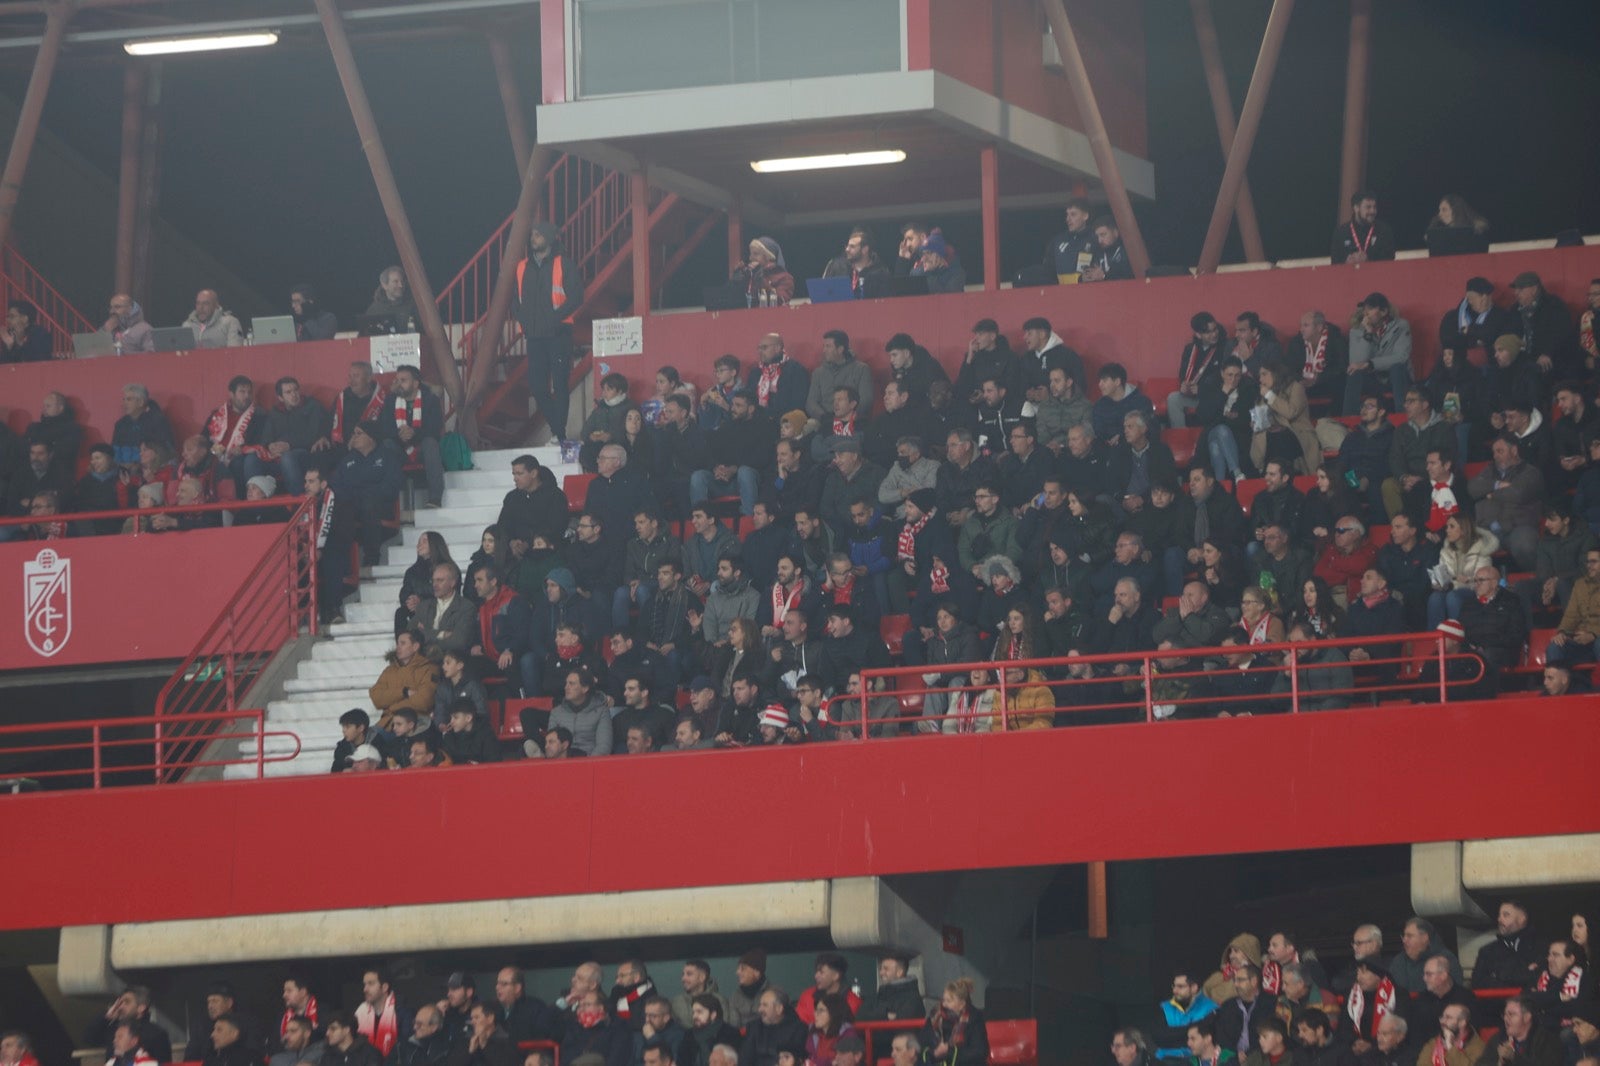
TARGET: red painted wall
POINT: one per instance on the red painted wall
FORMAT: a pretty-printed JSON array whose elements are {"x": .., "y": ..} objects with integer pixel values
[
  {"x": 999, "y": 47},
  {"x": 188, "y": 386},
  {"x": 892, "y": 806},
  {"x": 133, "y": 599},
  {"x": 1142, "y": 325}
]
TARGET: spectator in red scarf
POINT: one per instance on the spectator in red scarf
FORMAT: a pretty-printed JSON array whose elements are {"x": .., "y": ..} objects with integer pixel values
[
  {"x": 954, "y": 1034},
  {"x": 379, "y": 1018}
]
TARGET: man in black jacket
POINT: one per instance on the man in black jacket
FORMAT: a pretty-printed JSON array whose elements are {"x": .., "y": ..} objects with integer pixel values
[
  {"x": 228, "y": 1047},
  {"x": 739, "y": 450},
  {"x": 1375, "y": 614},
  {"x": 593, "y": 1031},
  {"x": 549, "y": 292},
  {"x": 1544, "y": 325},
  {"x": 1512, "y": 958},
  {"x": 535, "y": 504},
  {"x": 367, "y": 484},
  {"x": 847, "y": 650},
  {"x": 346, "y": 1046},
  {"x": 297, "y": 427},
  {"x": 131, "y": 1007},
  {"x": 1362, "y": 238},
  {"x": 1319, "y": 355},
  {"x": 773, "y": 1030},
  {"x": 681, "y": 449},
  {"x": 1236, "y": 1017},
  {"x": 988, "y": 356},
  {"x": 418, "y": 420},
  {"x": 1475, "y": 323},
  {"x": 428, "y": 1044},
  {"x": 899, "y": 995},
  {"x": 1070, "y": 251},
  {"x": 523, "y": 1017},
  {"x": 1495, "y": 621}
]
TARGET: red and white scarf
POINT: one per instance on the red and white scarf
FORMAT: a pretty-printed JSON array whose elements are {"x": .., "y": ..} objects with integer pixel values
[
  {"x": 844, "y": 427},
  {"x": 381, "y": 1028},
  {"x": 1442, "y": 503},
  {"x": 341, "y": 428},
  {"x": 1586, "y": 334},
  {"x": 409, "y": 413},
  {"x": 1271, "y": 972},
  {"x": 785, "y": 601},
  {"x": 1569, "y": 983},
  {"x": 324, "y": 518},
  {"x": 629, "y": 999},
  {"x": 1382, "y": 1006},
  {"x": 1257, "y": 634},
  {"x": 769, "y": 380},
  {"x": 1317, "y": 358},
  {"x": 841, "y": 593},
  {"x": 141, "y": 1057},
  {"x": 965, "y": 711},
  {"x": 486, "y": 613},
  {"x": 1446, "y": 1044},
  {"x": 906, "y": 546},
  {"x": 290, "y": 1014},
  {"x": 228, "y": 427},
  {"x": 939, "y": 580},
  {"x": 1199, "y": 359},
  {"x": 1375, "y": 599}
]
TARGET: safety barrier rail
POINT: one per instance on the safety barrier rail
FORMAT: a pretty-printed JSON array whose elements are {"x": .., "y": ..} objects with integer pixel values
[
  {"x": 275, "y": 604},
  {"x": 287, "y": 504},
  {"x": 19, "y": 280},
  {"x": 1151, "y": 685},
  {"x": 119, "y": 751},
  {"x": 551, "y": 1046}
]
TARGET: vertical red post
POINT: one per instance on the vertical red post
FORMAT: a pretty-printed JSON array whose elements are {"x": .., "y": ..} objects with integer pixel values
[
  {"x": 505, "y": 73},
  {"x": 989, "y": 170},
  {"x": 1353, "y": 159},
  {"x": 1205, "y": 31},
  {"x": 133, "y": 90},
  {"x": 735, "y": 232},
  {"x": 1099, "y": 920},
  {"x": 149, "y": 185},
  {"x": 44, "y": 67},
  {"x": 1244, "y": 139},
  {"x": 640, "y": 207}
]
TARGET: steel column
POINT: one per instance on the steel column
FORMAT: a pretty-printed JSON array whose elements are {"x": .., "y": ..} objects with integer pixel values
[
  {"x": 1099, "y": 920},
  {"x": 736, "y": 246},
  {"x": 505, "y": 72},
  {"x": 1353, "y": 160},
  {"x": 989, "y": 174},
  {"x": 1105, "y": 159},
  {"x": 133, "y": 89},
  {"x": 1255, "y": 102},
  {"x": 488, "y": 335},
  {"x": 44, "y": 66},
  {"x": 149, "y": 185},
  {"x": 640, "y": 205},
  {"x": 1205, "y": 31},
  {"x": 383, "y": 177}
]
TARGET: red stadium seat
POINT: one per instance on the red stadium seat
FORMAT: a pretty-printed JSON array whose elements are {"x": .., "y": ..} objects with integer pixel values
[
  {"x": 509, "y": 727},
  {"x": 1245, "y": 491},
  {"x": 1472, "y": 470},
  {"x": 1378, "y": 535},
  {"x": 576, "y": 489},
  {"x": 1539, "y": 647},
  {"x": 892, "y": 628},
  {"x": 1157, "y": 390},
  {"x": 1183, "y": 443},
  {"x": 1305, "y": 482},
  {"x": 1013, "y": 1043}
]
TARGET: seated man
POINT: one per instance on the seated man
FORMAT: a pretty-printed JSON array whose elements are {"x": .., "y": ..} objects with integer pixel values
[
  {"x": 38, "y": 473},
  {"x": 447, "y": 619},
  {"x": 708, "y": 541},
  {"x": 1319, "y": 1045},
  {"x": 358, "y": 731},
  {"x": 368, "y": 485},
  {"x": 362, "y": 399},
  {"x": 1405, "y": 562},
  {"x": 1522, "y": 1042},
  {"x": 912, "y": 472},
  {"x": 1279, "y": 504},
  {"x": 844, "y": 419},
  {"x": 311, "y": 323},
  {"x": 407, "y": 681},
  {"x": 1255, "y": 345},
  {"x": 1110, "y": 260},
  {"x": 237, "y": 433},
  {"x": 1320, "y": 354},
  {"x": 1374, "y": 614},
  {"x": 1574, "y": 639},
  {"x": 937, "y": 262},
  {"x": 1510, "y": 495},
  {"x": 141, "y": 423},
  {"x": 24, "y": 339},
  {"x": 418, "y": 425},
  {"x": 1137, "y": 462},
  {"x": 1187, "y": 1005},
  {"x": 468, "y": 739},
  {"x": 1380, "y": 354},
  {"x": 504, "y": 645},
  {"x": 606, "y": 422},
  {"x": 129, "y": 331},
  {"x": 1199, "y": 361},
  {"x": 997, "y": 412},
  {"x": 1345, "y": 558},
  {"x": 1324, "y": 680},
  {"x": 641, "y": 710},
  {"x": 1455, "y": 1041},
  {"x": 213, "y": 327},
  {"x": 1495, "y": 622},
  {"x": 1117, "y": 398},
  {"x": 1558, "y": 559},
  {"x": 846, "y": 650},
  {"x": 664, "y": 627},
  {"x": 1410, "y": 485},
  {"x": 739, "y": 448}
]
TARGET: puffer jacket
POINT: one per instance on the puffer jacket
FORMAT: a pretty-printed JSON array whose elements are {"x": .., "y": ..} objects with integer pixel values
[
  {"x": 1032, "y": 707},
  {"x": 1460, "y": 564},
  {"x": 725, "y": 603},
  {"x": 388, "y": 692},
  {"x": 590, "y": 723}
]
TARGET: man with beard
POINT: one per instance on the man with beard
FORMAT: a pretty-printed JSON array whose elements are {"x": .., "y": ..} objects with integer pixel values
[
  {"x": 460, "y": 994},
  {"x": 750, "y": 983},
  {"x": 899, "y": 994},
  {"x": 311, "y": 323},
  {"x": 1455, "y": 1041},
  {"x": 1187, "y": 1005},
  {"x": 1510, "y": 960}
]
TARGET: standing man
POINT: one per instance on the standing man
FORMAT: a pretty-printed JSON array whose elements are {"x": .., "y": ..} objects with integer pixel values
[{"x": 549, "y": 292}]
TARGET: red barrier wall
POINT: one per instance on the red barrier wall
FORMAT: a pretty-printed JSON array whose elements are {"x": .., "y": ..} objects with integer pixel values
[
  {"x": 890, "y": 806},
  {"x": 187, "y": 385},
  {"x": 130, "y": 599},
  {"x": 1142, "y": 325}
]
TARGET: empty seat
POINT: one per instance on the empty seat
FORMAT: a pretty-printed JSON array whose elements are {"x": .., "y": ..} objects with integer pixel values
[
  {"x": 892, "y": 628},
  {"x": 1183, "y": 443},
  {"x": 1245, "y": 491},
  {"x": 576, "y": 488},
  {"x": 1013, "y": 1043}
]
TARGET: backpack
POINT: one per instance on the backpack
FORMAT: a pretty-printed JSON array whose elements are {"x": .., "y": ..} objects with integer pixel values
[{"x": 455, "y": 452}]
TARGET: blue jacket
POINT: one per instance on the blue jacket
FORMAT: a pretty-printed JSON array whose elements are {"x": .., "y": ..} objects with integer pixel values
[
  {"x": 872, "y": 547},
  {"x": 1173, "y": 1031}
]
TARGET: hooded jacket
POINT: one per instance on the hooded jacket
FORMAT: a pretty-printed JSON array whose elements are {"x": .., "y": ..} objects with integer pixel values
[
  {"x": 540, "y": 312},
  {"x": 1219, "y": 986},
  {"x": 388, "y": 692},
  {"x": 724, "y": 603},
  {"x": 137, "y": 334}
]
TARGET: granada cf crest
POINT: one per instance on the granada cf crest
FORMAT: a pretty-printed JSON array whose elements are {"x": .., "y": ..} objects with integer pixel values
[{"x": 47, "y": 602}]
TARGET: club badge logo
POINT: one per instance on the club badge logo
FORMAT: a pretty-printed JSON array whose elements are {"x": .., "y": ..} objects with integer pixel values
[{"x": 47, "y": 602}]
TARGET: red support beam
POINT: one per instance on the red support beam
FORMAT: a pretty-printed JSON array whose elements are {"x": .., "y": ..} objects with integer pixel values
[
  {"x": 736, "y": 247},
  {"x": 1099, "y": 917},
  {"x": 641, "y": 240},
  {"x": 1205, "y": 31},
  {"x": 989, "y": 169},
  {"x": 149, "y": 186},
  {"x": 1105, "y": 158},
  {"x": 439, "y": 349},
  {"x": 1255, "y": 102},
  {"x": 133, "y": 90},
  {"x": 1353, "y": 158},
  {"x": 505, "y": 74},
  {"x": 44, "y": 67}
]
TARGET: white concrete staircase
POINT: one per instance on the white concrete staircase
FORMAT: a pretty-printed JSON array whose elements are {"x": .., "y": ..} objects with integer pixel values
[{"x": 340, "y": 669}]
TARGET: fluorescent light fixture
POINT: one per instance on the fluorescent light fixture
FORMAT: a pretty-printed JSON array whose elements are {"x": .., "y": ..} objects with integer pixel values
[
  {"x": 165, "y": 46},
  {"x": 828, "y": 162}
]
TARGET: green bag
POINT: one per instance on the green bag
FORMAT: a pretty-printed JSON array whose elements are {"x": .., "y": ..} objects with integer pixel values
[{"x": 455, "y": 452}]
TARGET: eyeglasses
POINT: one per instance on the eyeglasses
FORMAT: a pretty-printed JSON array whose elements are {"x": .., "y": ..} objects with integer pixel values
[{"x": 1344, "y": 529}]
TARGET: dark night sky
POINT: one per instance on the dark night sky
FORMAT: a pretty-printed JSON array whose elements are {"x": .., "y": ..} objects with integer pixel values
[{"x": 1494, "y": 100}]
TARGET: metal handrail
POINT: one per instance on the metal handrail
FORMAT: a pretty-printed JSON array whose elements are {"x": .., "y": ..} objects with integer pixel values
[
  {"x": 99, "y": 744},
  {"x": 276, "y": 602},
  {"x": 1140, "y": 668},
  {"x": 280, "y": 502}
]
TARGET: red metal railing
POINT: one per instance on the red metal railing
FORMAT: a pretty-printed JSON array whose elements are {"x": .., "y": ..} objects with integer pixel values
[
  {"x": 49, "y": 760},
  {"x": 73, "y": 518},
  {"x": 19, "y": 280},
  {"x": 276, "y": 603},
  {"x": 1150, "y": 681}
]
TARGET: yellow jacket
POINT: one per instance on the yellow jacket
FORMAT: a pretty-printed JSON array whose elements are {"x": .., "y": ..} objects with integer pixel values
[
  {"x": 388, "y": 692},
  {"x": 1031, "y": 708}
]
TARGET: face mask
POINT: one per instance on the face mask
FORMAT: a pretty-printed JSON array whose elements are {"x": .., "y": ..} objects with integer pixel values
[{"x": 589, "y": 1017}]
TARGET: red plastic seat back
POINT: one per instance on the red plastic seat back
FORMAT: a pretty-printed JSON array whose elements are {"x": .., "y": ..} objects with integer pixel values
[
  {"x": 1013, "y": 1043},
  {"x": 892, "y": 628},
  {"x": 1183, "y": 443}
]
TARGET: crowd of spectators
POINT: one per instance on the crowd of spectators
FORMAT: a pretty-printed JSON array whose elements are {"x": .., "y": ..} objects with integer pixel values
[
  {"x": 633, "y": 1022},
  {"x": 737, "y": 548}
]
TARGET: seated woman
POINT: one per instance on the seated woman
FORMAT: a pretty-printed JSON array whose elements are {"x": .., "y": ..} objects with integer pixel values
[
  {"x": 1222, "y": 570},
  {"x": 1332, "y": 497},
  {"x": 971, "y": 710},
  {"x": 1289, "y": 434},
  {"x": 1466, "y": 549},
  {"x": 765, "y": 275},
  {"x": 954, "y": 1034},
  {"x": 831, "y": 1023},
  {"x": 668, "y": 382},
  {"x": 1260, "y": 625},
  {"x": 1029, "y": 702},
  {"x": 1456, "y": 229},
  {"x": 1225, "y": 400},
  {"x": 1316, "y": 611}
]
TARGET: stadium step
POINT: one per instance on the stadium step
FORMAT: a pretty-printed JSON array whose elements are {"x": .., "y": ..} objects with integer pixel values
[{"x": 340, "y": 669}]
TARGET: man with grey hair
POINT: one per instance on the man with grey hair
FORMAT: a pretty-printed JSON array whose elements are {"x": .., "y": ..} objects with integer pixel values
[
  {"x": 1129, "y": 627},
  {"x": 911, "y": 471},
  {"x": 1365, "y": 943},
  {"x": 1136, "y": 462},
  {"x": 960, "y": 474},
  {"x": 1320, "y": 354},
  {"x": 141, "y": 423},
  {"x": 723, "y": 1055},
  {"x": 1390, "y": 1047},
  {"x": 619, "y": 491},
  {"x": 906, "y": 1049},
  {"x": 428, "y": 1045},
  {"x": 1419, "y": 943}
]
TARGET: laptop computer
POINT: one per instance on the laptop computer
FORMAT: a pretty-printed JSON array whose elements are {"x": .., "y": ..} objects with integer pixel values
[
  {"x": 273, "y": 329},
  {"x": 881, "y": 286},
  {"x": 829, "y": 290},
  {"x": 173, "y": 339},
  {"x": 729, "y": 296},
  {"x": 90, "y": 345}
]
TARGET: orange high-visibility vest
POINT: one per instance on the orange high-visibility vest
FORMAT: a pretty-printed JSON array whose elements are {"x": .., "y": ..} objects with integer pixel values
[{"x": 558, "y": 294}]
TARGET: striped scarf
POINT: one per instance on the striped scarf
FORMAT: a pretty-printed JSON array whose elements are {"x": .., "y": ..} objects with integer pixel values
[
  {"x": 381, "y": 1028},
  {"x": 1569, "y": 983},
  {"x": 1383, "y": 1005},
  {"x": 408, "y": 413},
  {"x": 906, "y": 546},
  {"x": 783, "y": 602},
  {"x": 769, "y": 380},
  {"x": 374, "y": 404},
  {"x": 309, "y": 1014},
  {"x": 1446, "y": 1044}
]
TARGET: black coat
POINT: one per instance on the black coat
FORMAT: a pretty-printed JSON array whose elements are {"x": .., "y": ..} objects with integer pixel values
[
  {"x": 762, "y": 1042},
  {"x": 499, "y": 1051},
  {"x": 1508, "y": 961},
  {"x": 611, "y": 1039},
  {"x": 1230, "y": 1021},
  {"x": 359, "y": 1053},
  {"x": 542, "y": 511}
]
